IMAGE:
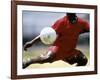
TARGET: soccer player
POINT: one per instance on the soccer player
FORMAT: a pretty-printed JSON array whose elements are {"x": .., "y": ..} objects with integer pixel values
[{"x": 68, "y": 30}]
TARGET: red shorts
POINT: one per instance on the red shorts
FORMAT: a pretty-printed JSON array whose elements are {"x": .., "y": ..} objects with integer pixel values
[{"x": 62, "y": 54}]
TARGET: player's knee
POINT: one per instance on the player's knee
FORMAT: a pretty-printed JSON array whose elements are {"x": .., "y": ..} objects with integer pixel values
[
  {"x": 85, "y": 60},
  {"x": 82, "y": 61},
  {"x": 43, "y": 59},
  {"x": 47, "y": 58}
]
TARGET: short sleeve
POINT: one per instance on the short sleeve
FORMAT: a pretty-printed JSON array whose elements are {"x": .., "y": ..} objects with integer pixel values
[
  {"x": 86, "y": 26},
  {"x": 57, "y": 26}
]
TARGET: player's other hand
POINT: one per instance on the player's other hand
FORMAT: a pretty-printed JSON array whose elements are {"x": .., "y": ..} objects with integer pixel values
[
  {"x": 26, "y": 46},
  {"x": 25, "y": 49}
]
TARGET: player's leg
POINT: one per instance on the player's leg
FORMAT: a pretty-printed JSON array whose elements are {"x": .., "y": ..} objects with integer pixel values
[
  {"x": 40, "y": 59},
  {"x": 78, "y": 58},
  {"x": 81, "y": 59}
]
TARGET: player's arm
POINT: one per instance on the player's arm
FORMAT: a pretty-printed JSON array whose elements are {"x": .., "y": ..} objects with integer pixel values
[
  {"x": 57, "y": 26},
  {"x": 85, "y": 27},
  {"x": 30, "y": 43}
]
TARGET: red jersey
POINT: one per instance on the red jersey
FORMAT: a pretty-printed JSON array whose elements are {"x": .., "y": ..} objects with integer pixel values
[{"x": 68, "y": 34}]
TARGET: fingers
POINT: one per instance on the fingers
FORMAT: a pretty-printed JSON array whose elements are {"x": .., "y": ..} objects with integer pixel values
[
  {"x": 25, "y": 49},
  {"x": 28, "y": 44}
]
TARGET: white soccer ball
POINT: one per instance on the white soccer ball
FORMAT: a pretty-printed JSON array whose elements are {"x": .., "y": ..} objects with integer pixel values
[{"x": 48, "y": 35}]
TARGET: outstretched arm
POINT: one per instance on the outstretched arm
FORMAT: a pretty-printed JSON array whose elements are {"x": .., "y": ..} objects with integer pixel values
[{"x": 30, "y": 43}]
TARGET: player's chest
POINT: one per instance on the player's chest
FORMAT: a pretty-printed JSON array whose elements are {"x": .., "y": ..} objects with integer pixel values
[{"x": 71, "y": 29}]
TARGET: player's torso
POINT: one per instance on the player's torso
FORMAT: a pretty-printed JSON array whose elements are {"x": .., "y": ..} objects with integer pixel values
[
  {"x": 67, "y": 39},
  {"x": 68, "y": 35}
]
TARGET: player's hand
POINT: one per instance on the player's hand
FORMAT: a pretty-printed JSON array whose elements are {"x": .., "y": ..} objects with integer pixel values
[
  {"x": 26, "y": 46},
  {"x": 25, "y": 49}
]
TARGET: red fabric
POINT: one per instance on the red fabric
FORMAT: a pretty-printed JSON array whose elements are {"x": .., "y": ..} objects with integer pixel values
[{"x": 67, "y": 36}]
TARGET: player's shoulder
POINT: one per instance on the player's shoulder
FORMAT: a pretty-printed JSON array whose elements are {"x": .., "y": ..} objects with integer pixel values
[
  {"x": 58, "y": 23},
  {"x": 61, "y": 20},
  {"x": 81, "y": 21}
]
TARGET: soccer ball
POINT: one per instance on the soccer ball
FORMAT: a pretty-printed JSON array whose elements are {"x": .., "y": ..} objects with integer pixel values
[{"x": 48, "y": 35}]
